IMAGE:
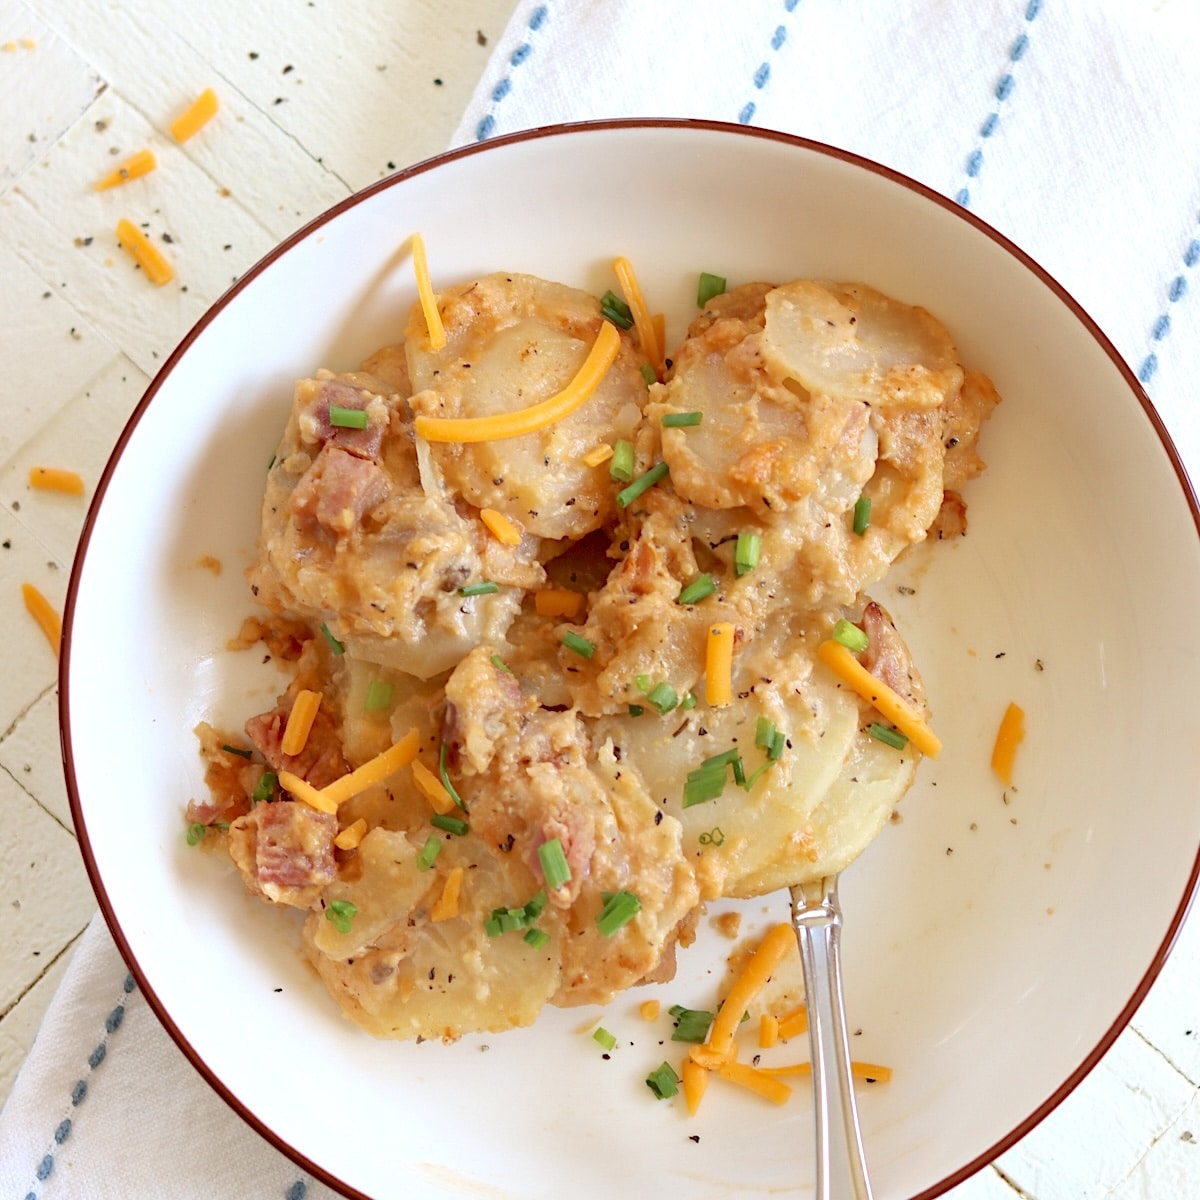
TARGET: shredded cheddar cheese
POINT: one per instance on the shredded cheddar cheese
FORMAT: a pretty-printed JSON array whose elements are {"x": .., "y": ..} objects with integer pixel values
[
  {"x": 695, "y": 1082},
  {"x": 303, "y": 790},
  {"x": 718, "y": 664},
  {"x": 795, "y": 1023},
  {"x": 349, "y": 837},
  {"x": 502, "y": 529},
  {"x": 557, "y": 602},
  {"x": 537, "y": 416},
  {"x": 649, "y": 1010},
  {"x": 601, "y": 454},
  {"x": 1009, "y": 736},
  {"x": 431, "y": 787},
  {"x": 195, "y": 116},
  {"x": 425, "y": 293},
  {"x": 890, "y": 703},
  {"x": 145, "y": 254},
  {"x": 446, "y": 905},
  {"x": 756, "y": 1080},
  {"x": 374, "y": 770},
  {"x": 299, "y": 722},
  {"x": 45, "y": 614},
  {"x": 872, "y": 1072},
  {"x": 55, "y": 479},
  {"x": 141, "y": 163},
  {"x": 768, "y": 1031},
  {"x": 780, "y": 939},
  {"x": 643, "y": 322}
]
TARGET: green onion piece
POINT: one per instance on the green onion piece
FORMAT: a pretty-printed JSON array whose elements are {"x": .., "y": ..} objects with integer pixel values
[
  {"x": 643, "y": 683},
  {"x": 500, "y": 664},
  {"x": 535, "y": 906},
  {"x": 688, "y": 702},
  {"x": 642, "y": 483},
  {"x": 606, "y": 1039},
  {"x": 664, "y": 698},
  {"x": 764, "y": 731},
  {"x": 334, "y": 644},
  {"x": 699, "y": 589},
  {"x": 265, "y": 788},
  {"x": 580, "y": 645},
  {"x": 537, "y": 938},
  {"x": 236, "y": 750},
  {"x": 702, "y": 785},
  {"x": 614, "y": 309},
  {"x": 648, "y": 374},
  {"x": 223, "y": 826},
  {"x": 708, "y": 287},
  {"x": 505, "y": 920},
  {"x": 739, "y": 772},
  {"x": 479, "y": 589},
  {"x": 347, "y": 418},
  {"x": 745, "y": 555},
  {"x": 492, "y": 925},
  {"x": 888, "y": 735},
  {"x": 691, "y": 1024},
  {"x": 620, "y": 466},
  {"x": 554, "y": 864},
  {"x": 445, "y": 777},
  {"x": 619, "y": 909},
  {"x": 195, "y": 833},
  {"x": 429, "y": 852},
  {"x": 379, "y": 695},
  {"x": 663, "y": 1082},
  {"x": 850, "y": 636},
  {"x": 454, "y": 825},
  {"x": 862, "y": 514},
  {"x": 724, "y": 759},
  {"x": 341, "y": 913},
  {"x": 752, "y": 778},
  {"x": 636, "y": 710},
  {"x": 777, "y": 746},
  {"x": 681, "y": 420}
]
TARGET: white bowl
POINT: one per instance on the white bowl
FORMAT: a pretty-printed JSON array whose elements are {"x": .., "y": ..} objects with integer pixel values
[{"x": 994, "y": 947}]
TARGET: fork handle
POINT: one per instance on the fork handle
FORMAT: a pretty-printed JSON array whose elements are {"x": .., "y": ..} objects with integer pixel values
[{"x": 841, "y": 1163}]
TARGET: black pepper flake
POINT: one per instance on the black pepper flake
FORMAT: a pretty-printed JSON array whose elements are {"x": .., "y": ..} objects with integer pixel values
[
  {"x": 437, "y": 83},
  {"x": 277, "y": 990},
  {"x": 253, "y": 55},
  {"x": 288, "y": 69},
  {"x": 278, "y": 100},
  {"x": 658, "y": 816},
  {"x": 166, "y": 237},
  {"x": 694, "y": 1137},
  {"x": 480, "y": 38},
  {"x": 391, "y": 166}
]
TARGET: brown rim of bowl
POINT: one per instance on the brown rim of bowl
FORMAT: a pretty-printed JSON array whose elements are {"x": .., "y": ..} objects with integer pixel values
[{"x": 588, "y": 127}]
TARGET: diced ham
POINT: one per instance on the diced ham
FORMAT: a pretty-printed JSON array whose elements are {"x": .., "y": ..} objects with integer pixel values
[
  {"x": 338, "y": 490},
  {"x": 285, "y": 852},
  {"x": 319, "y": 763},
  {"x": 888, "y": 658},
  {"x": 318, "y": 396}
]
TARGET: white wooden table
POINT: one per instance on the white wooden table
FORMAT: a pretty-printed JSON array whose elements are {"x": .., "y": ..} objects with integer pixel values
[{"x": 318, "y": 99}]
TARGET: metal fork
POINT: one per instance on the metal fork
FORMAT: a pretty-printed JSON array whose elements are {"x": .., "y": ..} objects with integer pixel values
[{"x": 841, "y": 1163}]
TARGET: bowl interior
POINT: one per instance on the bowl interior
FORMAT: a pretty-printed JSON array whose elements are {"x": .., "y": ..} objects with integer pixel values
[{"x": 981, "y": 946}]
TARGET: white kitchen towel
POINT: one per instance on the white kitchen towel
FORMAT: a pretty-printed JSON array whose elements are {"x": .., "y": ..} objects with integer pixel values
[{"x": 1070, "y": 125}]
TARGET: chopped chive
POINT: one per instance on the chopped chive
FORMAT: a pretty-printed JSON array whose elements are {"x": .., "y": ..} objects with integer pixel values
[
  {"x": 445, "y": 777},
  {"x": 724, "y": 759},
  {"x": 862, "y": 514},
  {"x": 236, "y": 750},
  {"x": 688, "y": 702},
  {"x": 264, "y": 789},
  {"x": 535, "y": 906},
  {"x": 681, "y": 420},
  {"x": 739, "y": 772},
  {"x": 223, "y": 826},
  {"x": 746, "y": 553},
  {"x": 699, "y": 589},
  {"x": 887, "y": 735},
  {"x": 704, "y": 785},
  {"x": 648, "y": 374},
  {"x": 500, "y": 664},
  {"x": 580, "y": 645},
  {"x": 691, "y": 1024},
  {"x": 537, "y": 938},
  {"x": 642, "y": 683},
  {"x": 606, "y": 1039},
  {"x": 492, "y": 925},
  {"x": 195, "y": 833},
  {"x": 347, "y": 418},
  {"x": 614, "y": 309},
  {"x": 753, "y": 777},
  {"x": 619, "y": 909},
  {"x": 707, "y": 287},
  {"x": 850, "y": 636},
  {"x": 479, "y": 589},
  {"x": 379, "y": 695},
  {"x": 636, "y": 710},
  {"x": 620, "y": 467},
  {"x": 642, "y": 483},
  {"x": 454, "y": 825},
  {"x": 663, "y": 1082},
  {"x": 664, "y": 698},
  {"x": 334, "y": 645},
  {"x": 764, "y": 731},
  {"x": 777, "y": 746},
  {"x": 554, "y": 864},
  {"x": 429, "y": 852},
  {"x": 341, "y": 913}
]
